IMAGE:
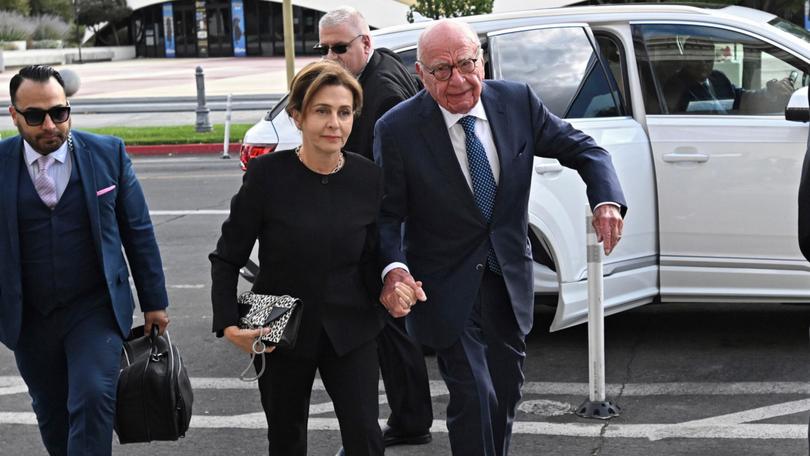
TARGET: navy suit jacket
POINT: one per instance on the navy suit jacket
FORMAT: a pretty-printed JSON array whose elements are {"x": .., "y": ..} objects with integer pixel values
[
  {"x": 117, "y": 218},
  {"x": 445, "y": 239}
]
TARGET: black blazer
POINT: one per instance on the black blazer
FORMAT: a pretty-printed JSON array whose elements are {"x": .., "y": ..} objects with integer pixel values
[
  {"x": 317, "y": 241},
  {"x": 385, "y": 82},
  {"x": 446, "y": 239}
]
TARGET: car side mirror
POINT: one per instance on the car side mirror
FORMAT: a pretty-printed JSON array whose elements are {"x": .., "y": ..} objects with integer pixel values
[{"x": 797, "y": 109}]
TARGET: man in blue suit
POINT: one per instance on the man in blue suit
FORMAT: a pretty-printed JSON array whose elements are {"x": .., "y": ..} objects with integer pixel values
[
  {"x": 69, "y": 202},
  {"x": 457, "y": 160}
]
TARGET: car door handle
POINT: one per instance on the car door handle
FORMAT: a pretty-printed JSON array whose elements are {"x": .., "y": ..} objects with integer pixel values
[
  {"x": 548, "y": 168},
  {"x": 681, "y": 158}
]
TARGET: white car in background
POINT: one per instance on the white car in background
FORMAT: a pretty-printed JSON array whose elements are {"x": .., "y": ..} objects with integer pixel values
[{"x": 712, "y": 196}]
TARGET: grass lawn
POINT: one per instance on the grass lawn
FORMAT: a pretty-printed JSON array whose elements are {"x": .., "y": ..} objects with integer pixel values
[{"x": 182, "y": 134}]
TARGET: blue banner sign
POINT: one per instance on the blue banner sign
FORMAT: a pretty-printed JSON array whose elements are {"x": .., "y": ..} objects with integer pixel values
[
  {"x": 238, "y": 29},
  {"x": 168, "y": 29}
]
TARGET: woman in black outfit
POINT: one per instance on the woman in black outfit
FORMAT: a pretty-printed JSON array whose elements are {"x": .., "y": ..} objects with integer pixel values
[{"x": 314, "y": 212}]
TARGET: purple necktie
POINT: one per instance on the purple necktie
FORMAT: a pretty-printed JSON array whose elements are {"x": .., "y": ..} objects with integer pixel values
[{"x": 44, "y": 183}]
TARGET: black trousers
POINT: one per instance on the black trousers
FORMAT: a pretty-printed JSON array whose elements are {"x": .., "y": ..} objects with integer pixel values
[
  {"x": 350, "y": 380},
  {"x": 404, "y": 374}
]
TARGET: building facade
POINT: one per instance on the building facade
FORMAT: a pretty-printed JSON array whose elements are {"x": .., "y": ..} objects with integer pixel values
[{"x": 225, "y": 28}]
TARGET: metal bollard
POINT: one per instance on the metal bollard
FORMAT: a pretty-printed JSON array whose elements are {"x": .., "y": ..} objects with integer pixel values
[
  {"x": 227, "y": 141},
  {"x": 203, "y": 125},
  {"x": 597, "y": 406}
]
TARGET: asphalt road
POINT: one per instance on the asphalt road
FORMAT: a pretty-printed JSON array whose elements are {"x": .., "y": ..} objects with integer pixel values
[{"x": 692, "y": 379}]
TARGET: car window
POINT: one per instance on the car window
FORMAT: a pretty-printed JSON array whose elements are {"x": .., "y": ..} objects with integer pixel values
[
  {"x": 562, "y": 67},
  {"x": 408, "y": 57},
  {"x": 691, "y": 69},
  {"x": 613, "y": 55}
]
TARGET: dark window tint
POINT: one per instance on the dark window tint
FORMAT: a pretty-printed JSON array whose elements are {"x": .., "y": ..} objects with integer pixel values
[
  {"x": 409, "y": 59},
  {"x": 613, "y": 56},
  {"x": 562, "y": 67}
]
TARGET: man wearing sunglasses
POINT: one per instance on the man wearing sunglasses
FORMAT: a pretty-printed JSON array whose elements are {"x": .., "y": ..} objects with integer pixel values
[
  {"x": 69, "y": 202},
  {"x": 345, "y": 38}
]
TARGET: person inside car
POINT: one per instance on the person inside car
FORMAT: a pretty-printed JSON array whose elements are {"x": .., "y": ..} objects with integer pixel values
[{"x": 698, "y": 88}]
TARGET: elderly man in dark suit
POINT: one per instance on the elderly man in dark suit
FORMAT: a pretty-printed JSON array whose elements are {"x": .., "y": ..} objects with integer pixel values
[
  {"x": 457, "y": 164},
  {"x": 68, "y": 204},
  {"x": 345, "y": 38}
]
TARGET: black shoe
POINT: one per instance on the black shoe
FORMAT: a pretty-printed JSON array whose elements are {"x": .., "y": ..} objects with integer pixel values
[{"x": 393, "y": 437}]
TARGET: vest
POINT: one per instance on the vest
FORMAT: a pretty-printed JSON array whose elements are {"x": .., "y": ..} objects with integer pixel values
[{"x": 60, "y": 265}]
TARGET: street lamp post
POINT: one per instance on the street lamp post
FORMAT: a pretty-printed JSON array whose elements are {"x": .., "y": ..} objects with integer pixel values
[
  {"x": 78, "y": 31},
  {"x": 289, "y": 43}
]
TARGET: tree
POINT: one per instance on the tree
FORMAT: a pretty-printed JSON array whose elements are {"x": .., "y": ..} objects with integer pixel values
[
  {"x": 437, "y": 9},
  {"x": 19, "y": 6},
  {"x": 92, "y": 13},
  {"x": 61, "y": 8}
]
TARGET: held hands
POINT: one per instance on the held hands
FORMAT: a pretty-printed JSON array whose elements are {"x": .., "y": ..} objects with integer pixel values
[
  {"x": 155, "y": 317},
  {"x": 400, "y": 292},
  {"x": 608, "y": 223},
  {"x": 245, "y": 338}
]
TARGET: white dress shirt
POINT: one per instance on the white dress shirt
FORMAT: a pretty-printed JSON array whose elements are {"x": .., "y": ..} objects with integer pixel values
[{"x": 59, "y": 170}]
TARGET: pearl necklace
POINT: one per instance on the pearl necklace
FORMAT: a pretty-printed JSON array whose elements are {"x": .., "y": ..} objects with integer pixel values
[{"x": 338, "y": 167}]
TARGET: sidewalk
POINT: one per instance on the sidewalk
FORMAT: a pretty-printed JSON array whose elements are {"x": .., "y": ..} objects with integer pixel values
[{"x": 153, "y": 79}]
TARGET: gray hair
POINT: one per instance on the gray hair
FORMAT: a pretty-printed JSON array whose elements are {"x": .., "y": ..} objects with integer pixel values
[
  {"x": 464, "y": 27},
  {"x": 345, "y": 15}
]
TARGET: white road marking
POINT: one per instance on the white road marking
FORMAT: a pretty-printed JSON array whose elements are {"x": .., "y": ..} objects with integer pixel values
[
  {"x": 192, "y": 212},
  {"x": 167, "y": 160},
  {"x": 627, "y": 431},
  {"x": 437, "y": 387},
  {"x": 757, "y": 414},
  {"x": 729, "y": 426},
  {"x": 188, "y": 176},
  {"x": 186, "y": 286}
]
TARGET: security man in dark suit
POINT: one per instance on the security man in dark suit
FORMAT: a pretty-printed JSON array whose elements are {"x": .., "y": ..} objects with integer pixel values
[
  {"x": 457, "y": 164},
  {"x": 345, "y": 38},
  {"x": 69, "y": 202}
]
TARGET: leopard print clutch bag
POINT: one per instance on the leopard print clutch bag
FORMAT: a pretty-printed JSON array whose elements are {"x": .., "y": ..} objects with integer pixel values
[{"x": 282, "y": 314}]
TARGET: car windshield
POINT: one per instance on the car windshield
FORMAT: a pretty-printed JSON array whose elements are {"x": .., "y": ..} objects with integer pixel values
[{"x": 791, "y": 28}]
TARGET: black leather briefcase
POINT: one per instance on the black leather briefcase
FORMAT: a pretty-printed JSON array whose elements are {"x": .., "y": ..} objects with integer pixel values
[{"x": 154, "y": 391}]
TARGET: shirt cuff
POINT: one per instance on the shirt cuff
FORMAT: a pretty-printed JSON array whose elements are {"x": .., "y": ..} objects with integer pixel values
[
  {"x": 607, "y": 202},
  {"x": 391, "y": 266}
]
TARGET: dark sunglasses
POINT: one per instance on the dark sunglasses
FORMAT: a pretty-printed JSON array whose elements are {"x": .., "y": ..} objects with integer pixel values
[
  {"x": 35, "y": 117},
  {"x": 341, "y": 48}
]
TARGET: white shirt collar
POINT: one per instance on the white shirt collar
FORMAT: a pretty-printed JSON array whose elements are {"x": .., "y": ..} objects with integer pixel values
[
  {"x": 451, "y": 119},
  {"x": 32, "y": 155}
]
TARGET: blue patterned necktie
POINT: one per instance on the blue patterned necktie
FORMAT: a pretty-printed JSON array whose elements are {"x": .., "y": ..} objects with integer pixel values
[{"x": 483, "y": 181}]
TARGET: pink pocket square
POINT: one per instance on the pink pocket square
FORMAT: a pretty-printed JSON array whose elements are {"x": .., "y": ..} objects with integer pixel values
[{"x": 105, "y": 190}]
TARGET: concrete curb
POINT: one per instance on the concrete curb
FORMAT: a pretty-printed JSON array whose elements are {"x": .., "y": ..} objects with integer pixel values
[{"x": 181, "y": 149}]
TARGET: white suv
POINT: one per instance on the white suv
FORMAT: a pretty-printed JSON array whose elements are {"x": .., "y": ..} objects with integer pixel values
[{"x": 711, "y": 187}]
